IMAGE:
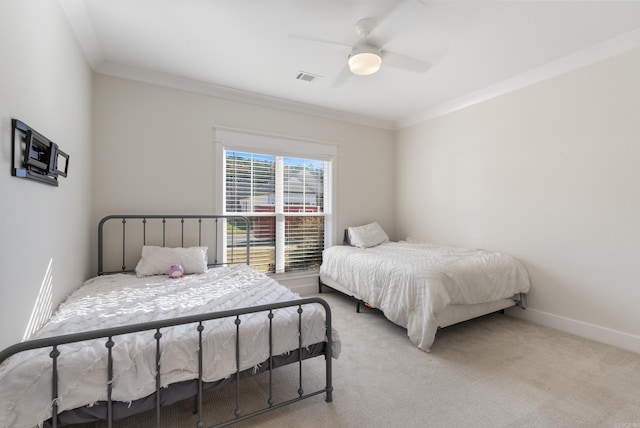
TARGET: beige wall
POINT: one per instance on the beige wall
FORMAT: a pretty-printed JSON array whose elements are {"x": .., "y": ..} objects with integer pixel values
[
  {"x": 549, "y": 174},
  {"x": 44, "y": 231},
  {"x": 154, "y": 152}
]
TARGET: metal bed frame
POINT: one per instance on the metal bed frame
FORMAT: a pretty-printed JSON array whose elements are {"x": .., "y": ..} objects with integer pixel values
[{"x": 110, "y": 334}]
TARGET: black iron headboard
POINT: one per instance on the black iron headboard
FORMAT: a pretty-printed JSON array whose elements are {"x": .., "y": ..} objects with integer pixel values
[{"x": 122, "y": 236}]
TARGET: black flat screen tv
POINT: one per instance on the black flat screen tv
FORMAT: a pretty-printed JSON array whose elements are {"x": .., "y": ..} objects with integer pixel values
[{"x": 41, "y": 159}]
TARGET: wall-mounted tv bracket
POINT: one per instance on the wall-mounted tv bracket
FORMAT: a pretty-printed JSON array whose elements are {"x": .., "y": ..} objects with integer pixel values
[{"x": 35, "y": 156}]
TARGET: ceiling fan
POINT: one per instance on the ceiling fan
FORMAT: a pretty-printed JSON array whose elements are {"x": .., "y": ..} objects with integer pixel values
[{"x": 368, "y": 55}]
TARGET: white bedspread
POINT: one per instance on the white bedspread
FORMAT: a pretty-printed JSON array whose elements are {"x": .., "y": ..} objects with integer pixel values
[
  {"x": 113, "y": 300},
  {"x": 412, "y": 282}
]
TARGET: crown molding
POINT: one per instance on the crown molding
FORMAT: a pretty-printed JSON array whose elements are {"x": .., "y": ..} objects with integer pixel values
[
  {"x": 585, "y": 57},
  {"x": 80, "y": 24},
  {"x": 161, "y": 79},
  {"x": 593, "y": 54}
]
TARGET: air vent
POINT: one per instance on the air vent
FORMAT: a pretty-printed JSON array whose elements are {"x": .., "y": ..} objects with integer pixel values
[{"x": 307, "y": 77}]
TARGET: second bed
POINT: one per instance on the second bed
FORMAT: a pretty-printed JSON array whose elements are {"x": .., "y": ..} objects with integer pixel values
[{"x": 423, "y": 286}]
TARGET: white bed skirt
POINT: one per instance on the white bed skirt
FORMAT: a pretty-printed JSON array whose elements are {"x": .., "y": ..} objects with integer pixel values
[{"x": 450, "y": 315}]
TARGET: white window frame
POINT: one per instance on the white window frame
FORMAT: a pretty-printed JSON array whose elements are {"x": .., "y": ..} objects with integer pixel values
[{"x": 277, "y": 145}]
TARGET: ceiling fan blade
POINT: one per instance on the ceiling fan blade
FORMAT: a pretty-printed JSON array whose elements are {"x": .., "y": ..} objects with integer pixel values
[
  {"x": 396, "y": 60},
  {"x": 344, "y": 75},
  {"x": 317, "y": 40},
  {"x": 393, "y": 23}
]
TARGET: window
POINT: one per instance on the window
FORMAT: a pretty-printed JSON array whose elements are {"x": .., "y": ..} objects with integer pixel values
[{"x": 287, "y": 198}]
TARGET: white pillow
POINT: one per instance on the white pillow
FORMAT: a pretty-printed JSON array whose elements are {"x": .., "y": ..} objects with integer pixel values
[
  {"x": 367, "y": 236},
  {"x": 158, "y": 260}
]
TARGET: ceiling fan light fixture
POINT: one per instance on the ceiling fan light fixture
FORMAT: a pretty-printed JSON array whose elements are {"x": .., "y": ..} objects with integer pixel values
[{"x": 364, "y": 61}]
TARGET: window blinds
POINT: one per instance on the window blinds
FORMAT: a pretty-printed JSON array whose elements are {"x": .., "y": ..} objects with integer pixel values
[{"x": 285, "y": 199}]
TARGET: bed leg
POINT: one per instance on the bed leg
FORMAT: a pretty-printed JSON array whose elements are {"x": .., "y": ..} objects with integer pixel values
[
  {"x": 329, "y": 396},
  {"x": 328, "y": 357},
  {"x": 319, "y": 285},
  {"x": 358, "y": 306}
]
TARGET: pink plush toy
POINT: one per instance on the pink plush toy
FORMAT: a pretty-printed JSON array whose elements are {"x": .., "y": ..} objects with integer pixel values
[{"x": 175, "y": 271}]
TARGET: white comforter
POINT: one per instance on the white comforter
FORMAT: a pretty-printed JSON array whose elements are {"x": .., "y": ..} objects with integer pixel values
[
  {"x": 413, "y": 282},
  {"x": 113, "y": 300}
]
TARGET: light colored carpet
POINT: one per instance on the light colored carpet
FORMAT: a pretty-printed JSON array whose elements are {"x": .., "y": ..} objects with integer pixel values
[{"x": 495, "y": 371}]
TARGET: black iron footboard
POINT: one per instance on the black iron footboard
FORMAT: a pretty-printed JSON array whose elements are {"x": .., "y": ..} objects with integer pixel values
[{"x": 110, "y": 336}]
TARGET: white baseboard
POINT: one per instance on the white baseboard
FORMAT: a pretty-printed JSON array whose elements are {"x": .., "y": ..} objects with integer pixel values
[{"x": 579, "y": 328}]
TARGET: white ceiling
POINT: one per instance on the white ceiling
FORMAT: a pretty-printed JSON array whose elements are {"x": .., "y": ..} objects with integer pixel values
[{"x": 244, "y": 49}]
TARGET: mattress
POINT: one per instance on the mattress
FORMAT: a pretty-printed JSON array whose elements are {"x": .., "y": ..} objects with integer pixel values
[
  {"x": 414, "y": 283},
  {"x": 114, "y": 300}
]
